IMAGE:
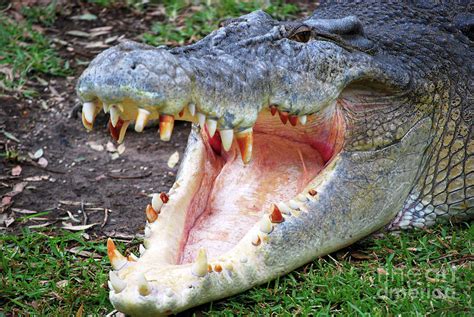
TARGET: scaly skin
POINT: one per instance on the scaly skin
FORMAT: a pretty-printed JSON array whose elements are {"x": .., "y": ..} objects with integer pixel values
[{"x": 398, "y": 78}]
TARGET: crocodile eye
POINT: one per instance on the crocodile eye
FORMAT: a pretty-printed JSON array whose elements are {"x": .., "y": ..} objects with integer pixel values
[{"x": 302, "y": 34}]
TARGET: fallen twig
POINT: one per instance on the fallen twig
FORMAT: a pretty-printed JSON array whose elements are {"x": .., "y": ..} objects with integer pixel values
[
  {"x": 106, "y": 217},
  {"x": 130, "y": 176}
]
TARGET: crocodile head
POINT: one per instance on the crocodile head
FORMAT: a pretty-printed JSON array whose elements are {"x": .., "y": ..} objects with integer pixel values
[{"x": 307, "y": 136}]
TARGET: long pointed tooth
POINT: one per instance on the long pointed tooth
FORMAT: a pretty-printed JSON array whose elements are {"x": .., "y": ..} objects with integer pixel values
[
  {"x": 156, "y": 202},
  {"x": 151, "y": 214},
  {"x": 276, "y": 216},
  {"x": 227, "y": 137},
  {"x": 211, "y": 126},
  {"x": 114, "y": 115},
  {"x": 266, "y": 225},
  {"x": 141, "y": 249},
  {"x": 141, "y": 120},
  {"x": 105, "y": 107},
  {"x": 88, "y": 109},
  {"x": 273, "y": 110},
  {"x": 132, "y": 257},
  {"x": 245, "y": 141},
  {"x": 86, "y": 123},
  {"x": 192, "y": 109},
  {"x": 201, "y": 119},
  {"x": 303, "y": 119},
  {"x": 293, "y": 120},
  {"x": 200, "y": 265},
  {"x": 123, "y": 131},
  {"x": 164, "y": 197},
  {"x": 256, "y": 239},
  {"x": 117, "y": 283},
  {"x": 283, "y": 116},
  {"x": 116, "y": 258},
  {"x": 284, "y": 208},
  {"x": 144, "y": 288},
  {"x": 166, "y": 126}
]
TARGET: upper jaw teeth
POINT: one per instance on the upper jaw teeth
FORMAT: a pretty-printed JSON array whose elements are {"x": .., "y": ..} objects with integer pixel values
[{"x": 118, "y": 124}]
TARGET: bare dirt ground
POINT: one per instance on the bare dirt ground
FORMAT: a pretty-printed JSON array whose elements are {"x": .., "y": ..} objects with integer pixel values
[{"x": 85, "y": 171}]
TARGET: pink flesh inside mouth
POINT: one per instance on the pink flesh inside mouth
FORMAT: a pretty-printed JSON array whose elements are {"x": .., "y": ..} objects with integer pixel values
[{"x": 233, "y": 196}]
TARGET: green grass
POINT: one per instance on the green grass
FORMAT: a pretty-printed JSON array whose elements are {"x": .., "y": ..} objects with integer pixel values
[
  {"x": 203, "y": 19},
  {"x": 416, "y": 273},
  {"x": 24, "y": 54}
]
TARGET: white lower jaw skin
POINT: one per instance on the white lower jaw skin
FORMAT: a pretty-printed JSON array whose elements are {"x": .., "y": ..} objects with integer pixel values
[{"x": 155, "y": 285}]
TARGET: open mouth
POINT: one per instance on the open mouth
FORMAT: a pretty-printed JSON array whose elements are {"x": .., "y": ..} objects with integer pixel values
[{"x": 230, "y": 180}]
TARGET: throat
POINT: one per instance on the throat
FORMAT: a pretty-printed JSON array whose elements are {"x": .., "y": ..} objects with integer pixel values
[{"x": 233, "y": 196}]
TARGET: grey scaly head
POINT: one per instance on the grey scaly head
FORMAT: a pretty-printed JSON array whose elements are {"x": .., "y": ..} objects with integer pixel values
[{"x": 356, "y": 118}]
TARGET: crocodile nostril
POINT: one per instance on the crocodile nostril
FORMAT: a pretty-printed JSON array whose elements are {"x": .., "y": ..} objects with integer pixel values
[{"x": 134, "y": 65}]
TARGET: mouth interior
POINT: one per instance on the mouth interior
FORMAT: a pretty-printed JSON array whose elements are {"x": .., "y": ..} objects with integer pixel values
[{"x": 233, "y": 196}]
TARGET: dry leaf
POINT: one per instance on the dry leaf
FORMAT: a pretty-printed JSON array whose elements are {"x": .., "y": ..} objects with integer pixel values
[
  {"x": 24, "y": 211},
  {"x": 78, "y": 228},
  {"x": 173, "y": 160},
  {"x": 16, "y": 171},
  {"x": 62, "y": 283},
  {"x": 41, "y": 225},
  {"x": 78, "y": 33},
  {"x": 9, "y": 221},
  {"x": 80, "y": 311},
  {"x": 86, "y": 254}
]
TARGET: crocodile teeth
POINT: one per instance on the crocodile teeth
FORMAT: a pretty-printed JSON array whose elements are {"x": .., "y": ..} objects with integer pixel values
[
  {"x": 88, "y": 115},
  {"x": 105, "y": 107},
  {"x": 201, "y": 119},
  {"x": 200, "y": 265},
  {"x": 293, "y": 120},
  {"x": 256, "y": 240},
  {"x": 132, "y": 257},
  {"x": 114, "y": 116},
  {"x": 144, "y": 288},
  {"x": 265, "y": 225},
  {"x": 142, "y": 119},
  {"x": 303, "y": 119},
  {"x": 276, "y": 216},
  {"x": 227, "y": 136},
  {"x": 117, "y": 283},
  {"x": 156, "y": 202},
  {"x": 211, "y": 126},
  {"x": 116, "y": 258},
  {"x": 166, "y": 126},
  {"x": 284, "y": 208},
  {"x": 192, "y": 109},
  {"x": 245, "y": 141},
  {"x": 151, "y": 214},
  {"x": 164, "y": 198},
  {"x": 141, "y": 249},
  {"x": 283, "y": 116},
  {"x": 123, "y": 131},
  {"x": 273, "y": 110}
]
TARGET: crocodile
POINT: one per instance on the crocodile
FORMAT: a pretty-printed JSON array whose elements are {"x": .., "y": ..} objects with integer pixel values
[{"x": 307, "y": 136}]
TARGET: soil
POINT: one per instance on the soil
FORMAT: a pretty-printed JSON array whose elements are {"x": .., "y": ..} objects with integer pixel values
[{"x": 83, "y": 183}]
